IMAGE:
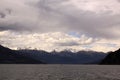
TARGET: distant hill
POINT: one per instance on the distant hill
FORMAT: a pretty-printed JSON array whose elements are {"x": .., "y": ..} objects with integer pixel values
[
  {"x": 113, "y": 58},
  {"x": 8, "y": 56}
]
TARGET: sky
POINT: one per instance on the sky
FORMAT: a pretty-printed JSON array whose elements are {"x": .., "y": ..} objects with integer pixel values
[{"x": 60, "y": 24}]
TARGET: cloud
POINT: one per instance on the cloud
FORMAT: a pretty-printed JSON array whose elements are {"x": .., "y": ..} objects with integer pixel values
[
  {"x": 118, "y": 0},
  {"x": 56, "y": 41},
  {"x": 47, "y": 41},
  {"x": 2, "y": 15},
  {"x": 94, "y": 19}
]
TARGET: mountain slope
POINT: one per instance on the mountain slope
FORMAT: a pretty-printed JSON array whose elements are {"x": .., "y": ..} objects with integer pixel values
[
  {"x": 113, "y": 58},
  {"x": 8, "y": 56}
]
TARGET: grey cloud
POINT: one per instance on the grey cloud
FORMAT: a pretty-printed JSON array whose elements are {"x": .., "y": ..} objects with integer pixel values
[
  {"x": 94, "y": 25},
  {"x": 118, "y": 0},
  {"x": 9, "y": 11},
  {"x": 2, "y": 15},
  {"x": 68, "y": 44},
  {"x": 54, "y": 16},
  {"x": 13, "y": 27}
]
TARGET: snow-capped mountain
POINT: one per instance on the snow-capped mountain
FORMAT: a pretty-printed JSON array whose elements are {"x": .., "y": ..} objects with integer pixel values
[
  {"x": 39, "y": 56},
  {"x": 65, "y": 57}
]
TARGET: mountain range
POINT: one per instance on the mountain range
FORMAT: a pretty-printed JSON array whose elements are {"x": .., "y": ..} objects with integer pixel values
[{"x": 39, "y": 56}]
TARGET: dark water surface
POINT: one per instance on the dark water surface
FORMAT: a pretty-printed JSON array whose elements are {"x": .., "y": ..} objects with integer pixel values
[{"x": 59, "y": 72}]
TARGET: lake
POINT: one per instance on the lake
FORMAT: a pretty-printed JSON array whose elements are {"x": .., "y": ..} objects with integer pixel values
[{"x": 59, "y": 72}]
